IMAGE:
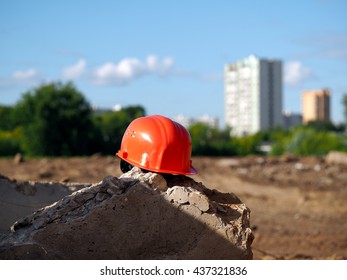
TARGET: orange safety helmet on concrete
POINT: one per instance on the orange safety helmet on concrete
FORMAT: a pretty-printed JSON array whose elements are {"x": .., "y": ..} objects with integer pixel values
[{"x": 158, "y": 144}]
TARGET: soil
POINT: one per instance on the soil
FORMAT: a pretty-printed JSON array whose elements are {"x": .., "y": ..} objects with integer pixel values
[{"x": 298, "y": 204}]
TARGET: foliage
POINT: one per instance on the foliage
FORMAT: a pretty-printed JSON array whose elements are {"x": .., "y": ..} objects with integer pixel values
[
  {"x": 6, "y": 118},
  {"x": 315, "y": 138},
  {"x": 10, "y": 142},
  {"x": 246, "y": 145},
  {"x": 56, "y": 120},
  {"x": 208, "y": 140},
  {"x": 325, "y": 126},
  {"x": 112, "y": 125},
  {"x": 277, "y": 138},
  {"x": 344, "y": 103},
  {"x": 308, "y": 141},
  {"x": 211, "y": 141}
]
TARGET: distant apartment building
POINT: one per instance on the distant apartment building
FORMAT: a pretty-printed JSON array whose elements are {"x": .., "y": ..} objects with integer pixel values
[
  {"x": 291, "y": 119},
  {"x": 315, "y": 105},
  {"x": 183, "y": 120},
  {"x": 206, "y": 119},
  {"x": 209, "y": 120},
  {"x": 253, "y": 95}
]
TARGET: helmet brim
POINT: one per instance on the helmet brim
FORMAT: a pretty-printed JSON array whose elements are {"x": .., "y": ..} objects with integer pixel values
[{"x": 192, "y": 170}]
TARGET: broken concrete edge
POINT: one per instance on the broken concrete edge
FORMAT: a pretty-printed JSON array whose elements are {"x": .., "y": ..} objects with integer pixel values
[
  {"x": 29, "y": 187},
  {"x": 211, "y": 206}
]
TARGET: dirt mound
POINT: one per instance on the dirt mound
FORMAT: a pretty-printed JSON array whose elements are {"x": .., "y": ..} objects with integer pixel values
[
  {"x": 137, "y": 216},
  {"x": 298, "y": 203}
]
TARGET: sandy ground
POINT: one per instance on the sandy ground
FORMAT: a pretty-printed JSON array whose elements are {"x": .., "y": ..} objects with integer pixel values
[{"x": 298, "y": 205}]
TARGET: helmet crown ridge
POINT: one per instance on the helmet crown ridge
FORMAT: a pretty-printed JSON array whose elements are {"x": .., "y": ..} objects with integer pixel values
[{"x": 156, "y": 143}]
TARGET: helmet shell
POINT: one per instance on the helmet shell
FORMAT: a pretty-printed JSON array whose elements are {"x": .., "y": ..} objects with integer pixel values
[{"x": 158, "y": 144}]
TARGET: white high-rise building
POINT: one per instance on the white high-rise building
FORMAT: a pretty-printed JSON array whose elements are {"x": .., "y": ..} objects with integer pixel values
[{"x": 253, "y": 95}]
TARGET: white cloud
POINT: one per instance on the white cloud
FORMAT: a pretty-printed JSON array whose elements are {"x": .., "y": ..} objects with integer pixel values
[
  {"x": 129, "y": 69},
  {"x": 21, "y": 78},
  {"x": 295, "y": 73},
  {"x": 167, "y": 65},
  {"x": 152, "y": 62},
  {"x": 25, "y": 75},
  {"x": 74, "y": 71}
]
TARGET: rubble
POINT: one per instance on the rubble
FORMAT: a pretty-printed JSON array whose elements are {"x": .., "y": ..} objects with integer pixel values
[
  {"x": 140, "y": 215},
  {"x": 18, "y": 158},
  {"x": 336, "y": 158}
]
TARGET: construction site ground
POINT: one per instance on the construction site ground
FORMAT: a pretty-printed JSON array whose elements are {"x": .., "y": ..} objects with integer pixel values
[{"x": 298, "y": 204}]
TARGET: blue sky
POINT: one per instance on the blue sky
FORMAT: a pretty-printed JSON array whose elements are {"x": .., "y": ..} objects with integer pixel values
[{"x": 169, "y": 56}]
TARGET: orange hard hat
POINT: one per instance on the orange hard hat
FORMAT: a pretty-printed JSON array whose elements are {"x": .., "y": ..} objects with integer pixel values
[{"x": 158, "y": 144}]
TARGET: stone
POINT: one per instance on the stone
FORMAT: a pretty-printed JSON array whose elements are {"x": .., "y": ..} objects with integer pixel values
[
  {"x": 150, "y": 178},
  {"x": 157, "y": 180},
  {"x": 228, "y": 162},
  {"x": 64, "y": 179},
  {"x": 334, "y": 157},
  {"x": 190, "y": 210},
  {"x": 132, "y": 218},
  {"x": 299, "y": 166},
  {"x": 199, "y": 200},
  {"x": 178, "y": 194},
  {"x": 317, "y": 167},
  {"x": 260, "y": 161},
  {"x": 18, "y": 158}
]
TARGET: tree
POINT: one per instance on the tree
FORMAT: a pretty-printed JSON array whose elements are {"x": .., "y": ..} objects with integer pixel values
[
  {"x": 10, "y": 142},
  {"x": 6, "y": 118},
  {"x": 344, "y": 102},
  {"x": 134, "y": 112},
  {"x": 208, "y": 140},
  {"x": 304, "y": 141},
  {"x": 56, "y": 120},
  {"x": 246, "y": 145},
  {"x": 319, "y": 125},
  {"x": 112, "y": 125}
]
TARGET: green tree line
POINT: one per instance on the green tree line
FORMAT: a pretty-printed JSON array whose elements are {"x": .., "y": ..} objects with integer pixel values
[
  {"x": 315, "y": 138},
  {"x": 56, "y": 120}
]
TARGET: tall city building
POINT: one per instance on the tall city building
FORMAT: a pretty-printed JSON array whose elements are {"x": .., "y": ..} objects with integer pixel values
[
  {"x": 253, "y": 95},
  {"x": 291, "y": 119},
  {"x": 315, "y": 105}
]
